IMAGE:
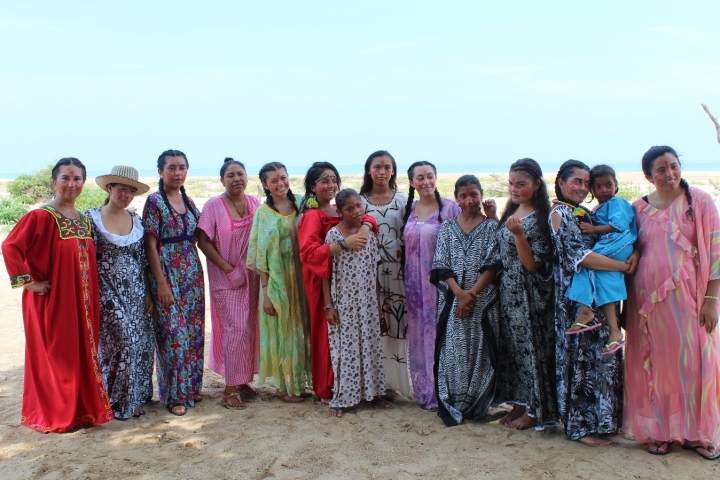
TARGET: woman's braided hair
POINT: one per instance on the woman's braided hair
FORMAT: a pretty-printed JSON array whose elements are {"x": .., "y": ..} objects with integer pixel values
[
  {"x": 271, "y": 167},
  {"x": 161, "y": 183},
  {"x": 411, "y": 192},
  {"x": 648, "y": 160}
]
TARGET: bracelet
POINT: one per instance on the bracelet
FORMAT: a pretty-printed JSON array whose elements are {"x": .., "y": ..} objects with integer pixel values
[
  {"x": 713, "y": 297},
  {"x": 343, "y": 244},
  {"x": 329, "y": 306}
]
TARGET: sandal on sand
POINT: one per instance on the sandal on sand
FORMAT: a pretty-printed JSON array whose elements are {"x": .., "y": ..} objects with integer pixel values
[
  {"x": 233, "y": 395},
  {"x": 382, "y": 403},
  {"x": 714, "y": 453},
  {"x": 585, "y": 328},
  {"x": 248, "y": 391},
  {"x": 171, "y": 408},
  {"x": 198, "y": 398},
  {"x": 613, "y": 347},
  {"x": 289, "y": 399},
  {"x": 657, "y": 446},
  {"x": 336, "y": 412}
]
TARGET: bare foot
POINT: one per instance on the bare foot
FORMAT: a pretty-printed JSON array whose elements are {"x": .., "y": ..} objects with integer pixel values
[
  {"x": 516, "y": 412},
  {"x": 326, "y": 401},
  {"x": 708, "y": 453},
  {"x": 467, "y": 420},
  {"x": 523, "y": 423},
  {"x": 335, "y": 412},
  {"x": 594, "y": 441},
  {"x": 177, "y": 409}
]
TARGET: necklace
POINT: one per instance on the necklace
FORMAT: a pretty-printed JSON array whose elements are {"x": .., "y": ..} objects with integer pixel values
[{"x": 239, "y": 211}]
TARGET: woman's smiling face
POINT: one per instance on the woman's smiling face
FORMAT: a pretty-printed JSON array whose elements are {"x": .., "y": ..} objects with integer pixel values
[{"x": 576, "y": 188}]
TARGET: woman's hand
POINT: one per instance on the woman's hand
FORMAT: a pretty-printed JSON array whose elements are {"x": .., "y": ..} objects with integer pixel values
[
  {"x": 490, "y": 209},
  {"x": 227, "y": 268},
  {"x": 267, "y": 304},
  {"x": 709, "y": 315},
  {"x": 467, "y": 301},
  {"x": 149, "y": 304},
  {"x": 40, "y": 287},
  {"x": 515, "y": 226},
  {"x": 356, "y": 241},
  {"x": 164, "y": 294},
  {"x": 587, "y": 227},
  {"x": 632, "y": 262},
  {"x": 331, "y": 316}
]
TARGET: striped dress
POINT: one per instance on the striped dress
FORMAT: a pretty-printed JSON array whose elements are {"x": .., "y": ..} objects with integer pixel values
[
  {"x": 672, "y": 365},
  {"x": 235, "y": 342}
]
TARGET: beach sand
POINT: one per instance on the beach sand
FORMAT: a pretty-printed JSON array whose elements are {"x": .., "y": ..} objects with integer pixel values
[{"x": 272, "y": 439}]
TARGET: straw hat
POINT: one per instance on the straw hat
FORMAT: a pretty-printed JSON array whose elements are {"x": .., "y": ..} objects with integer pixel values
[{"x": 122, "y": 174}]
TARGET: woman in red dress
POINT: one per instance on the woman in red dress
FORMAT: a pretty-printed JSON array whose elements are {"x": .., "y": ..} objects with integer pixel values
[
  {"x": 50, "y": 253},
  {"x": 322, "y": 182}
]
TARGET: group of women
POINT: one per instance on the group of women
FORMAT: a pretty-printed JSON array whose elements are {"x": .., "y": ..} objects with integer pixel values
[{"x": 473, "y": 310}]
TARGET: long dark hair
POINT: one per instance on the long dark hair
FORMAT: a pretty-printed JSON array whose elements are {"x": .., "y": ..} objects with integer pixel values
[
  {"x": 411, "y": 191},
  {"x": 63, "y": 162},
  {"x": 648, "y": 160},
  {"x": 271, "y": 167},
  {"x": 367, "y": 179},
  {"x": 541, "y": 200},
  {"x": 227, "y": 162},
  {"x": 161, "y": 183},
  {"x": 312, "y": 176}
]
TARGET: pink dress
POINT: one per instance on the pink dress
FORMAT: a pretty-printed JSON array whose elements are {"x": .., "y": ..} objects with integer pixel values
[
  {"x": 235, "y": 342},
  {"x": 672, "y": 366}
]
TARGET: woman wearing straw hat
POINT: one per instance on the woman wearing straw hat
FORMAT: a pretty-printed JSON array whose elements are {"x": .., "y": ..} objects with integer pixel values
[{"x": 127, "y": 341}]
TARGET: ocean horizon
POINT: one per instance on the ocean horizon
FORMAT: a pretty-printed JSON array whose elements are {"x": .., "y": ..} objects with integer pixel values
[{"x": 451, "y": 168}]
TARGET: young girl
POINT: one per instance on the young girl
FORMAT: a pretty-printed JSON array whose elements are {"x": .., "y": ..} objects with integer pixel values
[
  {"x": 319, "y": 215},
  {"x": 423, "y": 217},
  {"x": 273, "y": 252},
  {"x": 352, "y": 312},
  {"x": 614, "y": 220},
  {"x": 383, "y": 201},
  {"x": 464, "y": 270}
]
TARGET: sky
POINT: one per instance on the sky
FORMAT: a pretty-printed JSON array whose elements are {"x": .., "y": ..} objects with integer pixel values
[{"x": 467, "y": 85}]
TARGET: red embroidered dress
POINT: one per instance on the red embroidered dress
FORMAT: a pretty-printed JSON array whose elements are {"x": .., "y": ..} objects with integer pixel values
[{"x": 63, "y": 386}]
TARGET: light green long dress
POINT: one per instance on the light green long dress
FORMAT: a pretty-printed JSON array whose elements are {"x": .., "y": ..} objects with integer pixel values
[{"x": 284, "y": 338}]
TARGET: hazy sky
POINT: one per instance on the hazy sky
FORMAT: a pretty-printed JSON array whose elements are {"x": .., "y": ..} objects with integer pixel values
[{"x": 469, "y": 85}]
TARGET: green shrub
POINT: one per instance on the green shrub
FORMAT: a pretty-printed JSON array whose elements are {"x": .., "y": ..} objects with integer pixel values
[
  {"x": 91, "y": 196},
  {"x": 630, "y": 191},
  {"x": 30, "y": 188},
  {"x": 11, "y": 210}
]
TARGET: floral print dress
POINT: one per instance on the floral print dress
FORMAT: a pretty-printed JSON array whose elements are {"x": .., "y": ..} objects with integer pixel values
[{"x": 179, "y": 328}]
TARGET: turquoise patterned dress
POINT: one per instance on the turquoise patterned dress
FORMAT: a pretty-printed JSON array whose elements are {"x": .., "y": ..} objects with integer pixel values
[{"x": 179, "y": 328}]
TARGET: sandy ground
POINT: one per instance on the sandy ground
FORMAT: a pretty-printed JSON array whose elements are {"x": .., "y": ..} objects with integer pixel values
[{"x": 272, "y": 439}]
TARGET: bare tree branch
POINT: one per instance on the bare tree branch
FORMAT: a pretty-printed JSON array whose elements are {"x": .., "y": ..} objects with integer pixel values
[
  {"x": 714, "y": 120},
  {"x": 499, "y": 180},
  {"x": 715, "y": 185}
]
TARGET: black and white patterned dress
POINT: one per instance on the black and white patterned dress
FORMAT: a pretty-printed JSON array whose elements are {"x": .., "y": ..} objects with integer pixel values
[
  {"x": 526, "y": 337},
  {"x": 465, "y": 356},
  {"x": 127, "y": 341},
  {"x": 355, "y": 342},
  {"x": 589, "y": 386}
]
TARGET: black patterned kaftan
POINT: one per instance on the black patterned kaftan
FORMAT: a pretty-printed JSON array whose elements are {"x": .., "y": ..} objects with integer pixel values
[
  {"x": 465, "y": 360},
  {"x": 526, "y": 337},
  {"x": 589, "y": 386}
]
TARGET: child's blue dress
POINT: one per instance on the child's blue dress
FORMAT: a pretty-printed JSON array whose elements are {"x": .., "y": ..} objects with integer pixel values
[{"x": 595, "y": 288}]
